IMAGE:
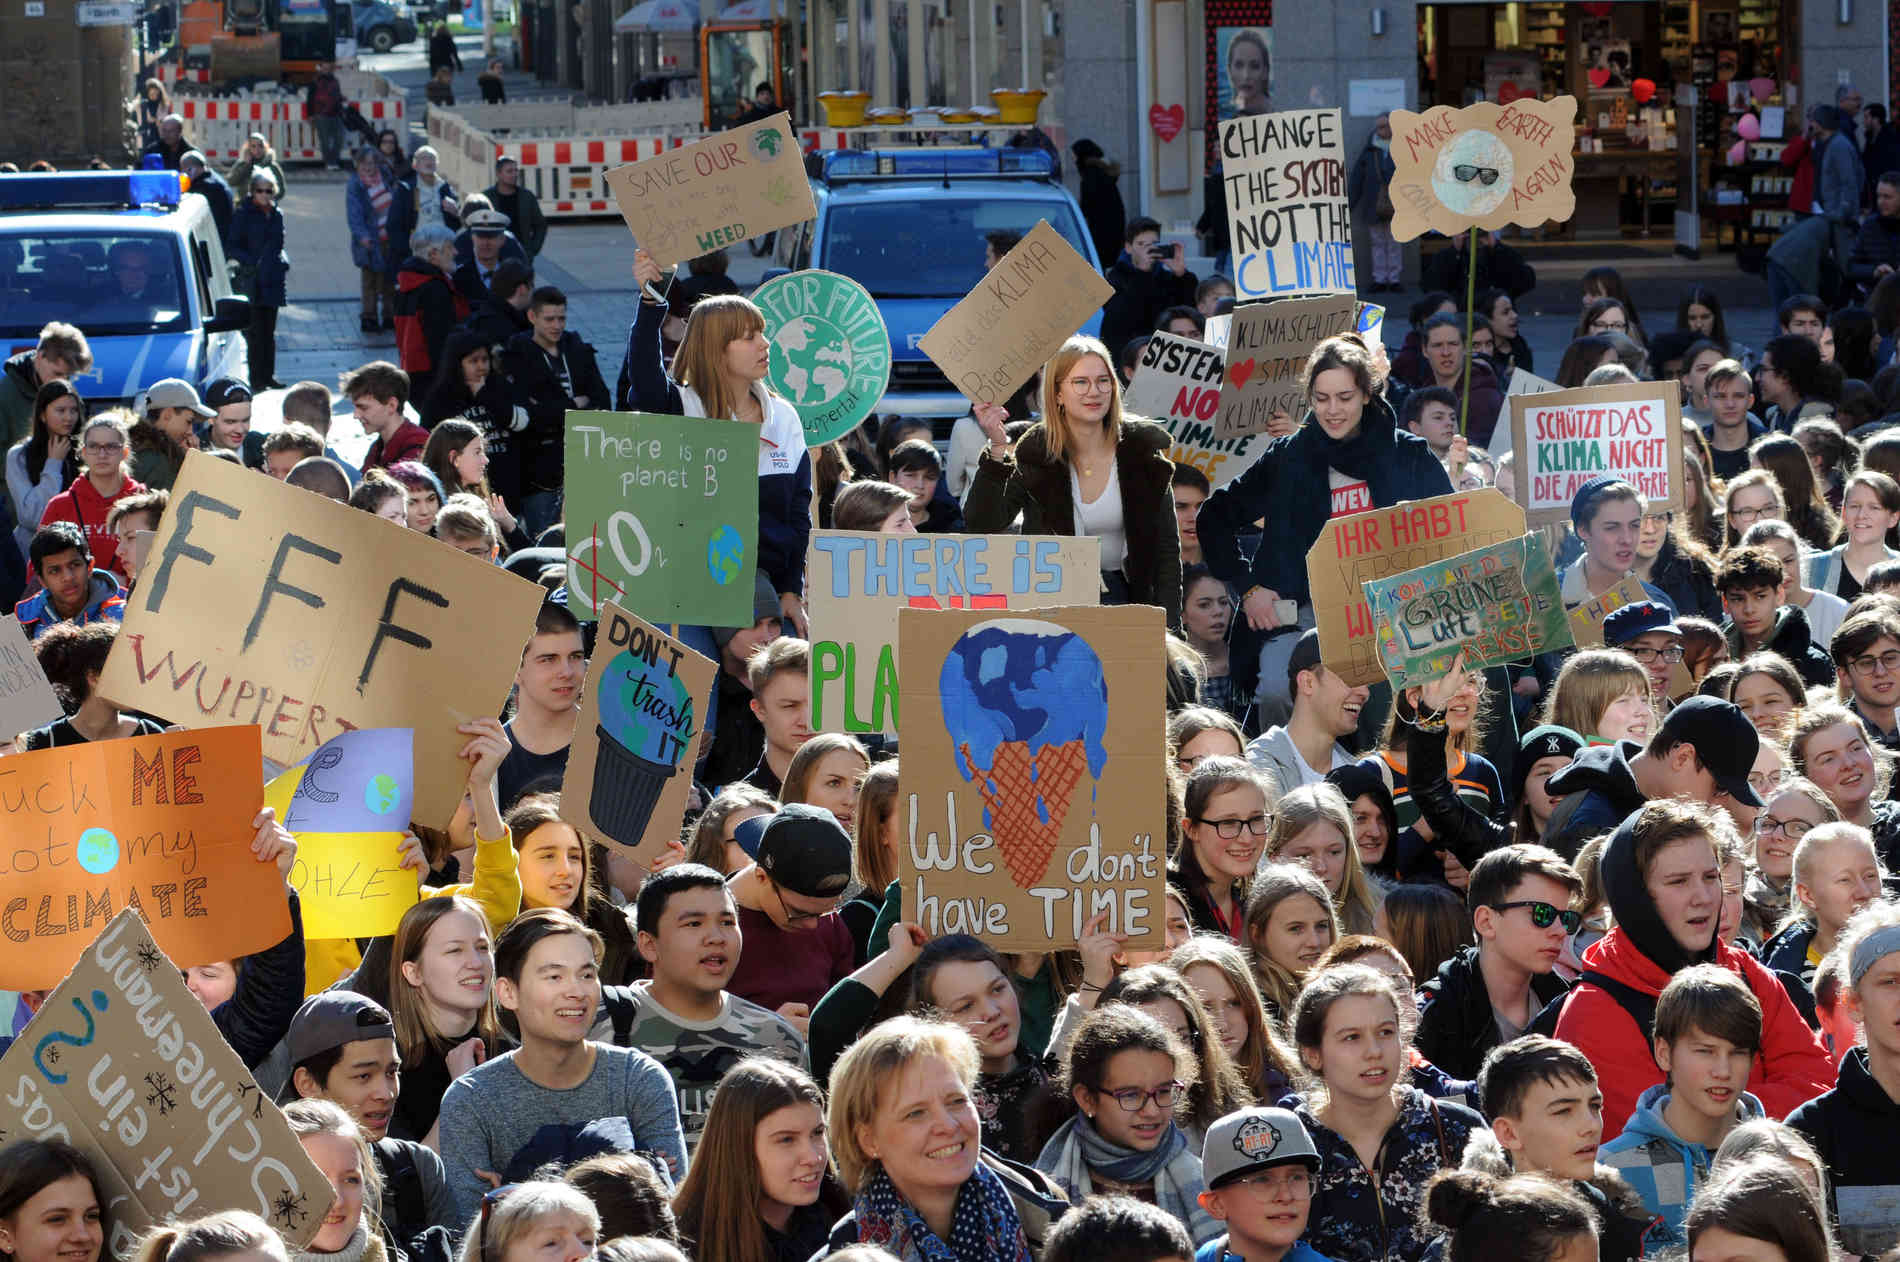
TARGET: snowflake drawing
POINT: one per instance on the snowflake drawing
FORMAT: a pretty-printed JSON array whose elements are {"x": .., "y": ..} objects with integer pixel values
[
  {"x": 161, "y": 1096},
  {"x": 52, "y": 1054},
  {"x": 257, "y": 1106},
  {"x": 150, "y": 957},
  {"x": 287, "y": 1209}
]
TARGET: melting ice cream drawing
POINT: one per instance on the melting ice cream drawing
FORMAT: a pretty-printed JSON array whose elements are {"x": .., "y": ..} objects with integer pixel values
[{"x": 1026, "y": 708}]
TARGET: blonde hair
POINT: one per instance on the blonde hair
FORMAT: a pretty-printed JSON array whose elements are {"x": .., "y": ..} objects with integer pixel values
[
  {"x": 872, "y": 864},
  {"x": 1589, "y": 684},
  {"x": 322, "y": 1117},
  {"x": 868, "y": 1070},
  {"x": 1807, "y": 854},
  {"x": 715, "y": 323},
  {"x": 1054, "y": 425},
  {"x": 517, "y": 1211},
  {"x": 213, "y": 1236},
  {"x": 1311, "y": 804}
]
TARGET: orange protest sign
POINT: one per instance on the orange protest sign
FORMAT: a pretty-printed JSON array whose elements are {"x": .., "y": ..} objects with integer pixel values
[{"x": 160, "y": 824}]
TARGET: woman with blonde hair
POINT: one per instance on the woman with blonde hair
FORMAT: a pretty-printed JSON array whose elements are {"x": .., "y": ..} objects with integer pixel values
[
  {"x": 441, "y": 1002},
  {"x": 536, "y": 1221},
  {"x": 234, "y": 1234},
  {"x": 721, "y": 367},
  {"x": 1836, "y": 873},
  {"x": 712, "y": 842},
  {"x": 760, "y": 1187},
  {"x": 1290, "y": 924},
  {"x": 257, "y": 156},
  {"x": 1086, "y": 469},
  {"x": 905, "y": 1134},
  {"x": 1312, "y": 825},
  {"x": 1220, "y": 974},
  {"x": 825, "y": 772},
  {"x": 1603, "y": 695},
  {"x": 331, "y": 1139}
]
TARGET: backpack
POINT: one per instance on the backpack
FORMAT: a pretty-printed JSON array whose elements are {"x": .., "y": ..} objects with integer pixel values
[
  {"x": 404, "y": 1184},
  {"x": 1640, "y": 1006},
  {"x": 617, "y": 1003}
]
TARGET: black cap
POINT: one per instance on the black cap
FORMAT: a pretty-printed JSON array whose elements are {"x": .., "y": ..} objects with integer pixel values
[
  {"x": 225, "y": 391},
  {"x": 807, "y": 851},
  {"x": 1723, "y": 738},
  {"x": 1305, "y": 657}
]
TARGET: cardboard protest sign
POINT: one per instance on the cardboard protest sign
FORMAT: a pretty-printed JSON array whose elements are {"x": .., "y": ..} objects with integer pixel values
[
  {"x": 831, "y": 355},
  {"x": 348, "y": 805},
  {"x": 1495, "y": 604},
  {"x": 1371, "y": 322},
  {"x": 856, "y": 582},
  {"x": 1178, "y": 383},
  {"x": 1285, "y": 181},
  {"x": 1015, "y": 830},
  {"x": 1483, "y": 166},
  {"x": 631, "y": 765},
  {"x": 1267, "y": 348},
  {"x": 1356, "y": 550},
  {"x": 125, "y": 1064},
  {"x": 1586, "y": 620},
  {"x": 1522, "y": 382},
  {"x": 663, "y": 515},
  {"x": 261, "y": 603},
  {"x": 1005, "y": 329},
  {"x": 27, "y": 701},
  {"x": 1563, "y": 438},
  {"x": 1215, "y": 334},
  {"x": 157, "y": 823},
  {"x": 715, "y": 192}
]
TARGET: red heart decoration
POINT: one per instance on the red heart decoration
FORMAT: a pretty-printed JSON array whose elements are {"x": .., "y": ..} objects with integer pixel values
[
  {"x": 1237, "y": 374},
  {"x": 1597, "y": 8},
  {"x": 1642, "y": 90},
  {"x": 1599, "y": 77},
  {"x": 1508, "y": 92},
  {"x": 1167, "y": 121}
]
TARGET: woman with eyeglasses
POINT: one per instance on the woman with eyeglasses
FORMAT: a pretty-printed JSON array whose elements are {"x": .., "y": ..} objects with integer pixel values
[
  {"x": 1668, "y": 559},
  {"x": 1224, "y": 826},
  {"x": 256, "y": 245},
  {"x": 1197, "y": 733},
  {"x": 1791, "y": 810},
  {"x": 539, "y": 1221},
  {"x": 88, "y": 501},
  {"x": 1752, "y": 497},
  {"x": 1836, "y": 873},
  {"x": 1870, "y": 508},
  {"x": 1603, "y": 316},
  {"x": 1128, "y": 1075},
  {"x": 1086, "y": 468}
]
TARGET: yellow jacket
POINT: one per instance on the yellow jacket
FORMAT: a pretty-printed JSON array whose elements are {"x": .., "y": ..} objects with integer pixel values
[{"x": 497, "y": 887}]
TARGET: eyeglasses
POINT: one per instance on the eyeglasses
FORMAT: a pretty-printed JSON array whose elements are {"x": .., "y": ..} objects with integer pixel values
[
  {"x": 1294, "y": 1181},
  {"x": 1610, "y": 326},
  {"x": 1486, "y": 176},
  {"x": 796, "y": 917},
  {"x": 1091, "y": 385},
  {"x": 1887, "y": 663},
  {"x": 105, "y": 449},
  {"x": 1792, "y": 829},
  {"x": 1228, "y": 829},
  {"x": 1133, "y": 1098},
  {"x": 1544, "y": 915},
  {"x": 1658, "y": 519},
  {"x": 1764, "y": 781},
  {"x": 1748, "y": 514},
  {"x": 1648, "y": 654}
]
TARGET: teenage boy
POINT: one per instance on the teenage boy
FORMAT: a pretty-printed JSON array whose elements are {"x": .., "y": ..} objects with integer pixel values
[
  {"x": 1825, "y": 610},
  {"x": 1519, "y": 896},
  {"x": 1751, "y": 582},
  {"x": 796, "y": 946},
  {"x": 1732, "y": 427},
  {"x": 547, "y": 972},
  {"x": 1432, "y": 414},
  {"x": 1546, "y": 1114},
  {"x": 1708, "y": 1030},
  {"x": 1866, "y": 652},
  {"x": 1117, "y": 1229},
  {"x": 1648, "y": 632},
  {"x": 1853, "y": 1125},
  {"x": 1261, "y": 1168},
  {"x": 916, "y": 467},
  {"x": 1840, "y": 1024},
  {"x": 284, "y": 449},
  {"x": 735, "y": 740},
  {"x": 683, "y": 1017},
  {"x": 173, "y": 408},
  {"x": 779, "y": 674},
  {"x": 1787, "y": 379},
  {"x": 1704, "y": 749},
  {"x": 377, "y": 392},
  {"x": 1607, "y": 514},
  {"x": 549, "y": 372},
  {"x": 62, "y": 351},
  {"x": 1325, "y": 710},
  {"x": 70, "y": 589},
  {"x": 1802, "y": 315},
  {"x": 1191, "y": 489},
  {"x": 547, "y": 702}
]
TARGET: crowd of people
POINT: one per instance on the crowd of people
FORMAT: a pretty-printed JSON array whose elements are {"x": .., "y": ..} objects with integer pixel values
[{"x": 1593, "y": 955}]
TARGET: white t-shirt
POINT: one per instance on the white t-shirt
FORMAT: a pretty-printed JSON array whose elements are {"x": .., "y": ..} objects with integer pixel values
[{"x": 1103, "y": 518}]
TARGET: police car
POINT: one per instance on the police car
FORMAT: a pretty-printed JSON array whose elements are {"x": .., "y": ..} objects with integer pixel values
[
  {"x": 909, "y": 225},
  {"x": 132, "y": 260}
]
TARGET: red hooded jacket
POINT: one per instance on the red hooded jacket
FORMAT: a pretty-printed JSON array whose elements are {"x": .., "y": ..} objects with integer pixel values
[
  {"x": 1790, "y": 1069},
  {"x": 82, "y": 505}
]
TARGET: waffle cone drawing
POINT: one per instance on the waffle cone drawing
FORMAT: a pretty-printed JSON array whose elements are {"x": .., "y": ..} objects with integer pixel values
[{"x": 1026, "y": 799}]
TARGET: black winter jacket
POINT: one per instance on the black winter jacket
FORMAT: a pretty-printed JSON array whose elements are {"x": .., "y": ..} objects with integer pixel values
[
  {"x": 1597, "y": 791},
  {"x": 1456, "y": 1025},
  {"x": 1468, "y": 833},
  {"x": 535, "y": 385},
  {"x": 1793, "y": 638},
  {"x": 1687, "y": 581},
  {"x": 1852, "y": 1128},
  {"x": 269, "y": 992},
  {"x": 1877, "y": 242},
  {"x": 1140, "y": 298}
]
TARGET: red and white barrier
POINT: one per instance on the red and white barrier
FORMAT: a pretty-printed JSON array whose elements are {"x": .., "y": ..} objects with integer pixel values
[{"x": 219, "y": 126}]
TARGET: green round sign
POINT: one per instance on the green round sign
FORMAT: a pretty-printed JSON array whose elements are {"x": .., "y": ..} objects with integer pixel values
[{"x": 831, "y": 355}]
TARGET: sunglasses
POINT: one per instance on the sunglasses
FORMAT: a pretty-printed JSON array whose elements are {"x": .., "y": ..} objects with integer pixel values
[
  {"x": 1544, "y": 915},
  {"x": 1486, "y": 176}
]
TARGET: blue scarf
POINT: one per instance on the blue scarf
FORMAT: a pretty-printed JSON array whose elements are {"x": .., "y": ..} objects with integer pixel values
[
  {"x": 983, "y": 1225},
  {"x": 1077, "y": 1150}
]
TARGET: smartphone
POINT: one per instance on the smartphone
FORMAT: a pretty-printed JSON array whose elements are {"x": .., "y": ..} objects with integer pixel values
[{"x": 1286, "y": 611}]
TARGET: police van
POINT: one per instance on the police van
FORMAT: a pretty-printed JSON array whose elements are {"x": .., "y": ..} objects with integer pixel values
[
  {"x": 132, "y": 260},
  {"x": 909, "y": 225}
]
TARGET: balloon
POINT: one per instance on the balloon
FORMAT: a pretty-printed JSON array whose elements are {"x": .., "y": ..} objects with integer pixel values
[
  {"x": 1738, "y": 153},
  {"x": 1761, "y": 89},
  {"x": 1642, "y": 90},
  {"x": 1748, "y": 127}
]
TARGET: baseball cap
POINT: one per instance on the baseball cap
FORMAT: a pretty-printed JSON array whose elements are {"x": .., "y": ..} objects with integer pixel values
[
  {"x": 331, "y": 1018},
  {"x": 226, "y": 391},
  {"x": 1305, "y": 657},
  {"x": 175, "y": 392},
  {"x": 749, "y": 832},
  {"x": 487, "y": 223},
  {"x": 1638, "y": 618},
  {"x": 1255, "y": 1139},
  {"x": 806, "y": 850},
  {"x": 1723, "y": 738}
]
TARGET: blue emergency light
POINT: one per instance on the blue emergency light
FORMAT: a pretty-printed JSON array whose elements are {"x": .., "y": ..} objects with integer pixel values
[
  {"x": 910, "y": 164},
  {"x": 90, "y": 190}
]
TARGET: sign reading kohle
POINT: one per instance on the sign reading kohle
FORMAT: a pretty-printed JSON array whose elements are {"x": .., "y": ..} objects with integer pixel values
[
  {"x": 830, "y": 353},
  {"x": 1178, "y": 383},
  {"x": 715, "y": 192},
  {"x": 663, "y": 515},
  {"x": 1267, "y": 348},
  {"x": 856, "y": 583},
  {"x": 1005, "y": 329},
  {"x": 1381, "y": 542},
  {"x": 1495, "y": 604},
  {"x": 124, "y": 1064},
  {"x": 260, "y": 603},
  {"x": 1563, "y": 438},
  {"x": 1483, "y": 166},
  {"x": 348, "y": 806},
  {"x": 1285, "y": 181},
  {"x": 1032, "y": 785}
]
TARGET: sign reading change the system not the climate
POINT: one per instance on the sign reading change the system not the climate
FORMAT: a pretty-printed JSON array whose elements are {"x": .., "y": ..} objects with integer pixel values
[
  {"x": 1563, "y": 438},
  {"x": 1285, "y": 181},
  {"x": 831, "y": 356},
  {"x": 663, "y": 515}
]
